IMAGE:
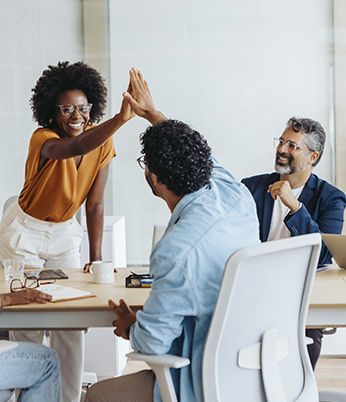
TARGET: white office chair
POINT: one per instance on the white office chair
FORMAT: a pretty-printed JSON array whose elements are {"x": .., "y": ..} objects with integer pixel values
[
  {"x": 7, "y": 396},
  {"x": 264, "y": 294},
  {"x": 158, "y": 232},
  {"x": 8, "y": 202},
  {"x": 332, "y": 396}
]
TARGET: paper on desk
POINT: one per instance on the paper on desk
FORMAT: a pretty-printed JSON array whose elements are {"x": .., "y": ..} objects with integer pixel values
[
  {"x": 60, "y": 292},
  {"x": 7, "y": 345}
]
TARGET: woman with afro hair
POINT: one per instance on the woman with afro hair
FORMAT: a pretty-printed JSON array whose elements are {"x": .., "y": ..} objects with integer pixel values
[{"x": 67, "y": 164}]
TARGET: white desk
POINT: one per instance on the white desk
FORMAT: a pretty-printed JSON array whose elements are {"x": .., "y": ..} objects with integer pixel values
[
  {"x": 76, "y": 314},
  {"x": 327, "y": 306},
  {"x": 328, "y": 299}
]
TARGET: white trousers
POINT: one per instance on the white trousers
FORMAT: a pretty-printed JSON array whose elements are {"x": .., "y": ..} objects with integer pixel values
[
  {"x": 40, "y": 243},
  {"x": 51, "y": 245}
]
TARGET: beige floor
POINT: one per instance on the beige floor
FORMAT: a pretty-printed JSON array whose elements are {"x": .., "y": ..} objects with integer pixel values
[{"x": 330, "y": 373}]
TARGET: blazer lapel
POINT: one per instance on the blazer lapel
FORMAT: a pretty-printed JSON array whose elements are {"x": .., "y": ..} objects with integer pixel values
[
  {"x": 308, "y": 191},
  {"x": 268, "y": 203},
  {"x": 267, "y": 216}
]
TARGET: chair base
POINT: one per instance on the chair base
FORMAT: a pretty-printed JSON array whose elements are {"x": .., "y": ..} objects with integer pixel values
[
  {"x": 332, "y": 396},
  {"x": 7, "y": 395}
]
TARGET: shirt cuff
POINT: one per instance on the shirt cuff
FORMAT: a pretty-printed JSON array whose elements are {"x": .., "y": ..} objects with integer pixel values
[
  {"x": 127, "y": 330},
  {"x": 292, "y": 213}
]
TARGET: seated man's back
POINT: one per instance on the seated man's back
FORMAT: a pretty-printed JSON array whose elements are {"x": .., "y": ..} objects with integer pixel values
[
  {"x": 213, "y": 215},
  {"x": 187, "y": 264}
]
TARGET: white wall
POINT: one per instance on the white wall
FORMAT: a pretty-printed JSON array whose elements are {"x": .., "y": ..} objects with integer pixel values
[
  {"x": 33, "y": 34},
  {"x": 236, "y": 71}
]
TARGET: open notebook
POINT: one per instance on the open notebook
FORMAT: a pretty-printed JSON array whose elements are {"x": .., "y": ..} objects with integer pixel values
[{"x": 63, "y": 293}]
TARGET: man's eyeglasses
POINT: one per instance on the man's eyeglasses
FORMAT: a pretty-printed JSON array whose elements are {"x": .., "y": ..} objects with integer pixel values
[
  {"x": 142, "y": 162},
  {"x": 291, "y": 146},
  {"x": 31, "y": 282},
  {"x": 68, "y": 110}
]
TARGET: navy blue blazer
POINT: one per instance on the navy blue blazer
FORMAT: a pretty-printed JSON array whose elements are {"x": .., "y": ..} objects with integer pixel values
[{"x": 322, "y": 208}]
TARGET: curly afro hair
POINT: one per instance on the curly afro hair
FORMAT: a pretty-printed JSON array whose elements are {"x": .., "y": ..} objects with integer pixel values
[
  {"x": 64, "y": 77},
  {"x": 178, "y": 155}
]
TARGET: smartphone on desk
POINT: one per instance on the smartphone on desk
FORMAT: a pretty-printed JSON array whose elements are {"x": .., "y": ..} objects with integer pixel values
[{"x": 47, "y": 274}]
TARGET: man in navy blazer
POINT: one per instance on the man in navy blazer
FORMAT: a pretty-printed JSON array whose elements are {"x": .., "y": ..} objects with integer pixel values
[{"x": 294, "y": 201}]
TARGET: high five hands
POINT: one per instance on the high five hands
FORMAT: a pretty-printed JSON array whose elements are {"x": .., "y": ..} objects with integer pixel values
[{"x": 139, "y": 98}]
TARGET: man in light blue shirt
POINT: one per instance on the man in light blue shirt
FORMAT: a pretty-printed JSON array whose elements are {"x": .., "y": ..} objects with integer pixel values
[{"x": 213, "y": 215}]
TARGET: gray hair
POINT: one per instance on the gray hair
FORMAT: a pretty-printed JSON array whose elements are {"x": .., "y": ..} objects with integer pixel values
[{"x": 314, "y": 134}]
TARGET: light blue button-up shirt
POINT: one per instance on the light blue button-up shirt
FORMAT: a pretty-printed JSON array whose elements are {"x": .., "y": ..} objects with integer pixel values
[{"x": 187, "y": 264}]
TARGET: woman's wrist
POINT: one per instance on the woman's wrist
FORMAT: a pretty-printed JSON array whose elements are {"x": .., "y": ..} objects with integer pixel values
[
  {"x": 93, "y": 259},
  {"x": 120, "y": 120}
]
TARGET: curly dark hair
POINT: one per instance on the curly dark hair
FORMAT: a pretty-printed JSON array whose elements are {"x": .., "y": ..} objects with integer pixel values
[
  {"x": 314, "y": 134},
  {"x": 64, "y": 77},
  {"x": 178, "y": 155}
]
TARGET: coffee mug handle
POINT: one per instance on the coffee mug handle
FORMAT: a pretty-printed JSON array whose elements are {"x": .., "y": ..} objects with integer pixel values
[{"x": 91, "y": 269}]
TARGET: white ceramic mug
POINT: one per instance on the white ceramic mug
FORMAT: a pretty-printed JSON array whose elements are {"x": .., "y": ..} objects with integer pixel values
[{"x": 102, "y": 271}]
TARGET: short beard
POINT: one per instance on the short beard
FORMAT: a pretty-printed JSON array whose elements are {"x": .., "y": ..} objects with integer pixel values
[
  {"x": 290, "y": 168},
  {"x": 283, "y": 170}
]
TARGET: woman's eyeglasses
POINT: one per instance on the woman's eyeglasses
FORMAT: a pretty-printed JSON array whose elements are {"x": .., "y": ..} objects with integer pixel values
[
  {"x": 31, "y": 282},
  {"x": 68, "y": 110}
]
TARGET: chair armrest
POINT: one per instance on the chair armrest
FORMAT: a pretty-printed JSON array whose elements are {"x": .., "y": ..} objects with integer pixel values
[
  {"x": 161, "y": 365},
  {"x": 160, "y": 360}
]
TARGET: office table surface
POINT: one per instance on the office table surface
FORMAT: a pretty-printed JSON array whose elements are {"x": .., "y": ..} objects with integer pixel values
[
  {"x": 328, "y": 299},
  {"x": 327, "y": 304},
  {"x": 74, "y": 314}
]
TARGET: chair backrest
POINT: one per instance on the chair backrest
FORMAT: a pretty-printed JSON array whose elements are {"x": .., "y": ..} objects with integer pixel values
[
  {"x": 158, "y": 232},
  {"x": 8, "y": 202},
  {"x": 255, "y": 349}
]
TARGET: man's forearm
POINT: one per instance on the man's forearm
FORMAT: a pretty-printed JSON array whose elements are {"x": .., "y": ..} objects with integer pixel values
[{"x": 155, "y": 117}]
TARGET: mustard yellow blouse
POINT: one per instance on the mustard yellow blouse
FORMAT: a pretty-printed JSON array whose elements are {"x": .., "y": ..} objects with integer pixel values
[{"x": 57, "y": 191}]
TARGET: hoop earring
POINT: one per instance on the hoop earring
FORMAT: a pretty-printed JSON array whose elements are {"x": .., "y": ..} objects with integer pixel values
[{"x": 50, "y": 120}]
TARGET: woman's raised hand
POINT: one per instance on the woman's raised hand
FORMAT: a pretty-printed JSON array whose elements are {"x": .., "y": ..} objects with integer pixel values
[
  {"x": 126, "y": 111},
  {"x": 140, "y": 99}
]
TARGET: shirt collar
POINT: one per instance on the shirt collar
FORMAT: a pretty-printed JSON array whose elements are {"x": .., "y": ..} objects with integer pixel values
[{"x": 183, "y": 203}]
